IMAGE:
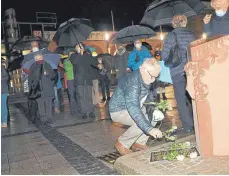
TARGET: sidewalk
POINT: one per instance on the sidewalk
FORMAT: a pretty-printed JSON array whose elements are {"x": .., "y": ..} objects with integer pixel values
[{"x": 138, "y": 164}]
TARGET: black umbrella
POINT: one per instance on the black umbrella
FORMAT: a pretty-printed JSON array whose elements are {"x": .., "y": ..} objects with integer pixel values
[
  {"x": 24, "y": 43},
  {"x": 132, "y": 33},
  {"x": 64, "y": 50},
  {"x": 130, "y": 47},
  {"x": 15, "y": 64},
  {"x": 161, "y": 12},
  {"x": 72, "y": 32}
]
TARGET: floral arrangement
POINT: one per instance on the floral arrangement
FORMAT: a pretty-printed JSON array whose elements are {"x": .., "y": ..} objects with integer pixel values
[
  {"x": 169, "y": 134},
  {"x": 177, "y": 151}
]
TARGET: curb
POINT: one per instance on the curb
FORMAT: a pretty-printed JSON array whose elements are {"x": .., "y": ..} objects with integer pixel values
[{"x": 125, "y": 164}]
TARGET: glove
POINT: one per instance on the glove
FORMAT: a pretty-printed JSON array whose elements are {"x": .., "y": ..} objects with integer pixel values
[{"x": 156, "y": 133}]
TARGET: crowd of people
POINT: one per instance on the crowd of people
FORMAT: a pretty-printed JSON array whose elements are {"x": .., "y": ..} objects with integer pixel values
[{"x": 137, "y": 75}]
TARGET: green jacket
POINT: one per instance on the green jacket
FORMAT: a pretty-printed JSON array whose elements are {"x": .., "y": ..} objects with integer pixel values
[{"x": 68, "y": 69}]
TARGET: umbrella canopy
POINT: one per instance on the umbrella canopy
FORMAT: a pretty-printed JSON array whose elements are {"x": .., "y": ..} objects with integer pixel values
[
  {"x": 24, "y": 43},
  {"x": 15, "y": 64},
  {"x": 161, "y": 12},
  {"x": 72, "y": 32},
  {"x": 51, "y": 58},
  {"x": 132, "y": 33},
  {"x": 64, "y": 50},
  {"x": 130, "y": 47}
]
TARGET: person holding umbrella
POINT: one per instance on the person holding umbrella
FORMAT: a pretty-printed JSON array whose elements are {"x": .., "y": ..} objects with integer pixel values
[
  {"x": 217, "y": 23},
  {"x": 41, "y": 83},
  {"x": 137, "y": 56},
  {"x": 180, "y": 38},
  {"x": 85, "y": 71}
]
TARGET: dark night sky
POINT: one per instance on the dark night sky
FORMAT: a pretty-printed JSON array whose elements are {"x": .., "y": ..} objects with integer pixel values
[{"x": 97, "y": 10}]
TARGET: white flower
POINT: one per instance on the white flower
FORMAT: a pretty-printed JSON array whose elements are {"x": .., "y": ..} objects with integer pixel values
[
  {"x": 193, "y": 155},
  {"x": 158, "y": 115},
  {"x": 180, "y": 157},
  {"x": 187, "y": 144}
]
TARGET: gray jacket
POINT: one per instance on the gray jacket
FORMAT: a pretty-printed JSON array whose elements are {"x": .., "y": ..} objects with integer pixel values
[
  {"x": 128, "y": 95},
  {"x": 184, "y": 38},
  {"x": 4, "y": 81}
]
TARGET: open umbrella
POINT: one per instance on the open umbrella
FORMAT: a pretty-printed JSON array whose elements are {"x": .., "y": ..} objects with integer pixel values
[
  {"x": 130, "y": 47},
  {"x": 64, "y": 50},
  {"x": 161, "y": 12},
  {"x": 24, "y": 43},
  {"x": 15, "y": 64},
  {"x": 51, "y": 58},
  {"x": 132, "y": 33},
  {"x": 72, "y": 32}
]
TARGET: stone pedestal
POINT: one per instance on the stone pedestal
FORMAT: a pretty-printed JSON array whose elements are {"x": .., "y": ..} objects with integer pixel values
[{"x": 208, "y": 85}]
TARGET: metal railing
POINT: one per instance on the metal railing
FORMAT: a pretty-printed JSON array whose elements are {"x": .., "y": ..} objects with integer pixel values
[{"x": 31, "y": 24}]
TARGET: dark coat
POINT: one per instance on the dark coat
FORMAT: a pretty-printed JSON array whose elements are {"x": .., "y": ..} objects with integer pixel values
[
  {"x": 121, "y": 61},
  {"x": 85, "y": 68},
  {"x": 218, "y": 25},
  {"x": 47, "y": 78},
  {"x": 184, "y": 38},
  {"x": 4, "y": 81}
]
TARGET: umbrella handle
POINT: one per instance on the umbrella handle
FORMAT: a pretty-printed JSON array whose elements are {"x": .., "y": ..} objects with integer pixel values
[{"x": 75, "y": 37}]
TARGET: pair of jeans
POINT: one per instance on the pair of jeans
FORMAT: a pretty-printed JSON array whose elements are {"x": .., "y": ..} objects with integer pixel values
[
  {"x": 183, "y": 102},
  {"x": 56, "y": 100},
  {"x": 4, "y": 108}
]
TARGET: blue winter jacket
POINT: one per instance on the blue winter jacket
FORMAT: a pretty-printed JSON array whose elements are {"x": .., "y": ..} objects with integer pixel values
[
  {"x": 128, "y": 95},
  {"x": 184, "y": 38},
  {"x": 143, "y": 54}
]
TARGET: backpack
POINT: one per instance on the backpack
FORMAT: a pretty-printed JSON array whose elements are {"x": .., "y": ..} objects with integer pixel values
[{"x": 175, "y": 56}]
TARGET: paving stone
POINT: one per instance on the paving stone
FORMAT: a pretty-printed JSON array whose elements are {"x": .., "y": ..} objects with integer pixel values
[
  {"x": 62, "y": 170},
  {"x": 19, "y": 156},
  {"x": 26, "y": 167},
  {"x": 5, "y": 169},
  {"x": 4, "y": 158}
]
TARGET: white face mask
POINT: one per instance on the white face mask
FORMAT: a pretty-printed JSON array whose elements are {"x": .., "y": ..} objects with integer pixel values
[
  {"x": 35, "y": 49},
  {"x": 220, "y": 13},
  {"x": 100, "y": 61},
  {"x": 138, "y": 45},
  {"x": 78, "y": 50}
]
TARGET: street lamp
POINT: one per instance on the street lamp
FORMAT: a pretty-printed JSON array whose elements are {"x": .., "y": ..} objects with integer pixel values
[
  {"x": 162, "y": 36},
  {"x": 107, "y": 36}
]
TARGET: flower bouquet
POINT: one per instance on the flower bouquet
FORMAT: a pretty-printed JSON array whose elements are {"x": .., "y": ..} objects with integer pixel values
[{"x": 177, "y": 151}]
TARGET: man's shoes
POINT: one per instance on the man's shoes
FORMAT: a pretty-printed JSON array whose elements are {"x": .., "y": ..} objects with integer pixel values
[
  {"x": 92, "y": 115},
  {"x": 4, "y": 125},
  {"x": 84, "y": 116},
  {"x": 137, "y": 146},
  {"x": 121, "y": 149},
  {"x": 49, "y": 122},
  {"x": 57, "y": 111}
]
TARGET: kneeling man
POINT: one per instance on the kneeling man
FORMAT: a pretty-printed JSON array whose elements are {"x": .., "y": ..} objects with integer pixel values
[{"x": 126, "y": 107}]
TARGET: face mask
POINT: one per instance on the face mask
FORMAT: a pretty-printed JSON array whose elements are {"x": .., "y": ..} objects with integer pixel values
[
  {"x": 220, "y": 13},
  {"x": 78, "y": 50},
  {"x": 138, "y": 45},
  {"x": 35, "y": 49},
  {"x": 100, "y": 61}
]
